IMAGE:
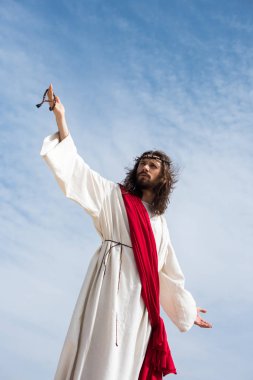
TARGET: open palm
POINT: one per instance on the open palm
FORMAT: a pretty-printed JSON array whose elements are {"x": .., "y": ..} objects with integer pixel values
[{"x": 201, "y": 322}]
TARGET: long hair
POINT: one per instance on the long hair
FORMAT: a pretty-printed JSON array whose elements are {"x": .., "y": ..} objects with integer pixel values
[{"x": 166, "y": 184}]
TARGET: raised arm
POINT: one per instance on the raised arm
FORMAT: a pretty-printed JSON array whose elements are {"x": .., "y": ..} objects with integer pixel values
[
  {"x": 74, "y": 176},
  {"x": 59, "y": 112}
]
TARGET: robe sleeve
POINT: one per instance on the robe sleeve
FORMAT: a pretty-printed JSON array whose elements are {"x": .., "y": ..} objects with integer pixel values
[
  {"x": 75, "y": 178},
  {"x": 176, "y": 301}
]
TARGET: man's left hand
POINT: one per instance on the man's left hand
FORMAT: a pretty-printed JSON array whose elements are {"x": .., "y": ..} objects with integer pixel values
[{"x": 201, "y": 322}]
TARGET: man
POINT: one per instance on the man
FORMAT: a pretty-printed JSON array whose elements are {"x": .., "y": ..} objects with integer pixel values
[{"x": 116, "y": 332}]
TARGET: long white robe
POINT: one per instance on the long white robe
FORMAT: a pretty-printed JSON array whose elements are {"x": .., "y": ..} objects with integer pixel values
[{"x": 109, "y": 330}]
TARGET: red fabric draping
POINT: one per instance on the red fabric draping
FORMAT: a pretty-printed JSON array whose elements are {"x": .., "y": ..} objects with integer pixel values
[{"x": 158, "y": 361}]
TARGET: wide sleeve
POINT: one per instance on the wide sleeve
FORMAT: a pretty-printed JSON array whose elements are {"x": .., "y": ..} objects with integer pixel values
[
  {"x": 176, "y": 301},
  {"x": 75, "y": 178}
]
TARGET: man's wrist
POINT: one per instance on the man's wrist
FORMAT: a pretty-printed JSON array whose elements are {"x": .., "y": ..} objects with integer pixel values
[{"x": 60, "y": 118}]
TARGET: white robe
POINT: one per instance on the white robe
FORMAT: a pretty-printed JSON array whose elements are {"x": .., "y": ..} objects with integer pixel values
[{"x": 109, "y": 306}]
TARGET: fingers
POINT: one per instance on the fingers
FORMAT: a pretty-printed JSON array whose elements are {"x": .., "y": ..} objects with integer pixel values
[
  {"x": 203, "y": 324},
  {"x": 201, "y": 310},
  {"x": 50, "y": 92},
  {"x": 199, "y": 321}
]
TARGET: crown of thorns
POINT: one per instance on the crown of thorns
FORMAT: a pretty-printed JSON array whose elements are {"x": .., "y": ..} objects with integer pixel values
[{"x": 153, "y": 156}]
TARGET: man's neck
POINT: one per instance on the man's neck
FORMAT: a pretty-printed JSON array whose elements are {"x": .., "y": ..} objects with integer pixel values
[{"x": 147, "y": 195}]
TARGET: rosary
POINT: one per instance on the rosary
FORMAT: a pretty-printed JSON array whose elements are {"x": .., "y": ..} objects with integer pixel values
[{"x": 45, "y": 100}]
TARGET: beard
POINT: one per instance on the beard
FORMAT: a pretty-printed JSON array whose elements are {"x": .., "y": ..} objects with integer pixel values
[{"x": 144, "y": 183}]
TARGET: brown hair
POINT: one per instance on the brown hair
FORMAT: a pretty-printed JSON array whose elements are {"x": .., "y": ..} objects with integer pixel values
[{"x": 163, "y": 189}]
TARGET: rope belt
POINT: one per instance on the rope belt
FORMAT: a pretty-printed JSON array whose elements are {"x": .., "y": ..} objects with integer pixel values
[{"x": 116, "y": 244}]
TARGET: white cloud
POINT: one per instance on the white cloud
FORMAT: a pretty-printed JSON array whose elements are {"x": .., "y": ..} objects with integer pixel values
[{"x": 115, "y": 112}]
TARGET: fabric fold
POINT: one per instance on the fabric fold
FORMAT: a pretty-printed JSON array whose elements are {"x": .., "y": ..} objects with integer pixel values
[{"x": 158, "y": 360}]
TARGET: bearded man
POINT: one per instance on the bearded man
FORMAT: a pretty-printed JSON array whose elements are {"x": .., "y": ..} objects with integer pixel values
[{"x": 116, "y": 332}]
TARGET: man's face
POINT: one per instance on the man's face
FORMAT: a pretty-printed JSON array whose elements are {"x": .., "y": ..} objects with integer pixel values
[{"x": 148, "y": 173}]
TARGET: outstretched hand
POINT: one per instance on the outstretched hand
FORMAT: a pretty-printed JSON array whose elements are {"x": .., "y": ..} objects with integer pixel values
[
  {"x": 58, "y": 110},
  {"x": 201, "y": 322}
]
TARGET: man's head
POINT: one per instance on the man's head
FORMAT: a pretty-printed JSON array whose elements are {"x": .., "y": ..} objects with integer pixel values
[
  {"x": 148, "y": 172},
  {"x": 152, "y": 170}
]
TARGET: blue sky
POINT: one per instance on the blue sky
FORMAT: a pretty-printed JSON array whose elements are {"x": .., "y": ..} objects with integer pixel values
[{"x": 133, "y": 75}]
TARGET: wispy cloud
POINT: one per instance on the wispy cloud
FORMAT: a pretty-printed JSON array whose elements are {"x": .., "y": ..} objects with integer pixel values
[{"x": 148, "y": 76}]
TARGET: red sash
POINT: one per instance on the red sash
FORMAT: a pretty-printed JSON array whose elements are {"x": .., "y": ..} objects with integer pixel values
[{"x": 158, "y": 361}]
